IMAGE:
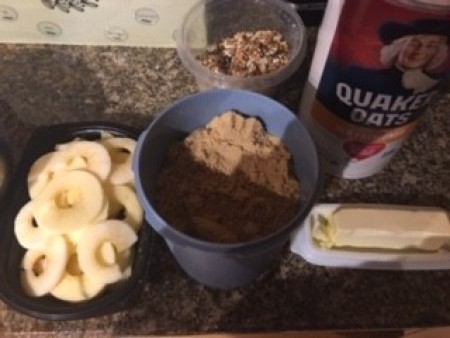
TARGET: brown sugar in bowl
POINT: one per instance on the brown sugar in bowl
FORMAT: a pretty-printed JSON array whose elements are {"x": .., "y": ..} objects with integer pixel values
[
  {"x": 224, "y": 265},
  {"x": 228, "y": 182}
]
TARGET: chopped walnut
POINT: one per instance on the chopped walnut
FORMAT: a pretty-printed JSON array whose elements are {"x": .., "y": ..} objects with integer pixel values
[{"x": 247, "y": 54}]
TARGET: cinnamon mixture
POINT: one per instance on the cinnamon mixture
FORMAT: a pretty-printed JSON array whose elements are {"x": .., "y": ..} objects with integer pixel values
[{"x": 230, "y": 181}]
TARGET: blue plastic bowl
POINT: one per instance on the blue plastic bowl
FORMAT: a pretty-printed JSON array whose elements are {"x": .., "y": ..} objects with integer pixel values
[{"x": 214, "y": 264}]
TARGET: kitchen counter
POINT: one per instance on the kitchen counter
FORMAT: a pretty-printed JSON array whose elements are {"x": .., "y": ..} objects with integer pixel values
[{"x": 42, "y": 85}]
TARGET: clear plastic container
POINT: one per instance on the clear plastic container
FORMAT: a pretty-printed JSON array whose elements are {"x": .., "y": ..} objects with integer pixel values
[{"x": 210, "y": 21}]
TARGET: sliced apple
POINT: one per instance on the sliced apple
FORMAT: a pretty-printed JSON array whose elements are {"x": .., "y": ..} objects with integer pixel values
[
  {"x": 124, "y": 204},
  {"x": 121, "y": 150},
  {"x": 122, "y": 237},
  {"x": 28, "y": 233},
  {"x": 88, "y": 155},
  {"x": 70, "y": 200},
  {"x": 44, "y": 268},
  {"x": 125, "y": 260},
  {"x": 41, "y": 172},
  {"x": 69, "y": 289},
  {"x": 74, "y": 236},
  {"x": 92, "y": 285}
]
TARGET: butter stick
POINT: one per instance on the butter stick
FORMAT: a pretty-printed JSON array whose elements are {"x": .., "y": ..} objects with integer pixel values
[{"x": 384, "y": 227}]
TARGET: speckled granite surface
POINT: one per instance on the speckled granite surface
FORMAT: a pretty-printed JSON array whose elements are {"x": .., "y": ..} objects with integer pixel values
[{"x": 43, "y": 85}]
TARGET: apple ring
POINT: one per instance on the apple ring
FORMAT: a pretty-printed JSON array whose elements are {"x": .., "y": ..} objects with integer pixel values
[
  {"x": 121, "y": 150},
  {"x": 88, "y": 155},
  {"x": 70, "y": 289},
  {"x": 43, "y": 268},
  {"x": 122, "y": 237},
  {"x": 41, "y": 172},
  {"x": 123, "y": 199},
  {"x": 69, "y": 202},
  {"x": 28, "y": 233}
]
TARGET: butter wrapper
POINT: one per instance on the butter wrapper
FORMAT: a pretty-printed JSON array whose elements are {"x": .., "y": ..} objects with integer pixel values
[{"x": 367, "y": 236}]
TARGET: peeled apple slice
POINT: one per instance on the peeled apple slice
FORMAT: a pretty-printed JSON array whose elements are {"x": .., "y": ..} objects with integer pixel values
[
  {"x": 92, "y": 285},
  {"x": 41, "y": 172},
  {"x": 70, "y": 289},
  {"x": 70, "y": 200},
  {"x": 123, "y": 198},
  {"x": 28, "y": 233},
  {"x": 119, "y": 233},
  {"x": 121, "y": 150},
  {"x": 87, "y": 155},
  {"x": 125, "y": 260},
  {"x": 106, "y": 254},
  {"x": 104, "y": 213},
  {"x": 74, "y": 236},
  {"x": 63, "y": 146},
  {"x": 73, "y": 266},
  {"x": 44, "y": 268},
  {"x": 75, "y": 286},
  {"x": 105, "y": 134}
]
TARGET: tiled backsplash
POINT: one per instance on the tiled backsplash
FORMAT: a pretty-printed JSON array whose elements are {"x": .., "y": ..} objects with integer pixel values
[{"x": 148, "y": 23}]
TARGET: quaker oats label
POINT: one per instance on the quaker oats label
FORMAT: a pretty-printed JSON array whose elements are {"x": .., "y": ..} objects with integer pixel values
[{"x": 386, "y": 62}]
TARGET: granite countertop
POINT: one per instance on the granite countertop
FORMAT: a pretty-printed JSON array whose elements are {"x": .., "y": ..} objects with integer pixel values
[{"x": 42, "y": 85}]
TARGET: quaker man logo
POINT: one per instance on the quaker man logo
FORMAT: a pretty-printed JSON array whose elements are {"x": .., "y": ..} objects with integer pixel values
[{"x": 66, "y": 5}]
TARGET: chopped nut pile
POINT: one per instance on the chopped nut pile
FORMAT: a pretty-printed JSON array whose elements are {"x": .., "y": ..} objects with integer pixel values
[{"x": 248, "y": 54}]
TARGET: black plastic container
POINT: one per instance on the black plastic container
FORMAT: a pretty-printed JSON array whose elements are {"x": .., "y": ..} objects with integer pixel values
[
  {"x": 118, "y": 298},
  {"x": 5, "y": 171},
  {"x": 311, "y": 11}
]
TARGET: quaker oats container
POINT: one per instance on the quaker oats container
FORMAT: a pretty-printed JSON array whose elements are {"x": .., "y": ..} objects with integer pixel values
[
  {"x": 209, "y": 22},
  {"x": 224, "y": 265},
  {"x": 117, "y": 298}
]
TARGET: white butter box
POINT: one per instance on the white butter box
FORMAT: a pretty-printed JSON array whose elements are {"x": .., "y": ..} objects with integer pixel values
[{"x": 143, "y": 23}]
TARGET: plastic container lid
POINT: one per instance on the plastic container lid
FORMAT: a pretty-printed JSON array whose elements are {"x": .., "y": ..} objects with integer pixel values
[{"x": 116, "y": 298}]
